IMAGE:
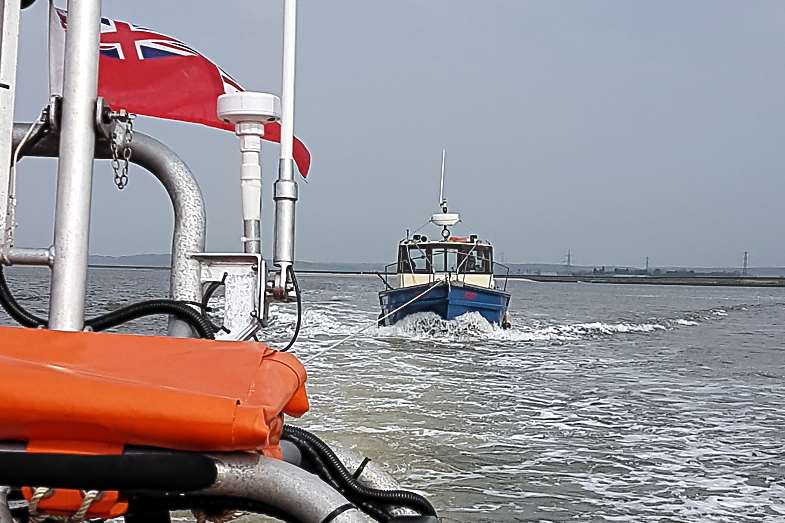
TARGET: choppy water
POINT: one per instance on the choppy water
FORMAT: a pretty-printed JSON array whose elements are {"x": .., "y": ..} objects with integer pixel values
[{"x": 602, "y": 403}]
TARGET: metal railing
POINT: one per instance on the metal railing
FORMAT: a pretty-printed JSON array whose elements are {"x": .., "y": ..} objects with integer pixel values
[{"x": 187, "y": 203}]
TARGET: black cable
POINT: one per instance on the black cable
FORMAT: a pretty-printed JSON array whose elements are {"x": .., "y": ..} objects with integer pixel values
[
  {"x": 393, "y": 497},
  {"x": 329, "y": 518},
  {"x": 208, "y": 294},
  {"x": 316, "y": 465},
  {"x": 361, "y": 468},
  {"x": 297, "y": 294},
  {"x": 112, "y": 319},
  {"x": 199, "y": 323},
  {"x": 14, "y": 309},
  {"x": 204, "y": 305}
]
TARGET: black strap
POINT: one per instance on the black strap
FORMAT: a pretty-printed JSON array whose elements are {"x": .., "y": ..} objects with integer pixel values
[
  {"x": 337, "y": 512},
  {"x": 360, "y": 469},
  {"x": 4, "y": 86}
]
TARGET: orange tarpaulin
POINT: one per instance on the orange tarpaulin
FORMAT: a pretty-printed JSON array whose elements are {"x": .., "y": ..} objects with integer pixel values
[{"x": 123, "y": 389}]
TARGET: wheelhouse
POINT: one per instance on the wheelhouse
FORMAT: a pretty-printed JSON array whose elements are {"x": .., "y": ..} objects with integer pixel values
[{"x": 464, "y": 259}]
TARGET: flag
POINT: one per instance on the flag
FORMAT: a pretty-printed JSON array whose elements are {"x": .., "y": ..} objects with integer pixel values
[{"x": 152, "y": 74}]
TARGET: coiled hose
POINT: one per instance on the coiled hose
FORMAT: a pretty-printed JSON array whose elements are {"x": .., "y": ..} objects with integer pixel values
[
  {"x": 321, "y": 469},
  {"x": 197, "y": 321},
  {"x": 339, "y": 471}
]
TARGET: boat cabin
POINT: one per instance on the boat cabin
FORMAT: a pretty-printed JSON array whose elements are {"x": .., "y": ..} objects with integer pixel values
[{"x": 458, "y": 258}]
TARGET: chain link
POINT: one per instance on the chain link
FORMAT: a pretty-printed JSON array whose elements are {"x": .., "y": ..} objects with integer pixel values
[{"x": 122, "y": 138}]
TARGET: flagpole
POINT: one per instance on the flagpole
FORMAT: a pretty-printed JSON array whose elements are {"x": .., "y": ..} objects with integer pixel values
[
  {"x": 289, "y": 57},
  {"x": 75, "y": 167},
  {"x": 285, "y": 189},
  {"x": 9, "y": 40}
]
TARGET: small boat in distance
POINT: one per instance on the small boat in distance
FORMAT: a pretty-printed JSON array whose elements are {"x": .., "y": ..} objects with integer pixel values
[{"x": 450, "y": 277}]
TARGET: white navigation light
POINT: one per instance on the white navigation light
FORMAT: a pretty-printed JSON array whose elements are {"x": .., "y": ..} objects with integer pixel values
[
  {"x": 236, "y": 108},
  {"x": 249, "y": 112},
  {"x": 445, "y": 219}
]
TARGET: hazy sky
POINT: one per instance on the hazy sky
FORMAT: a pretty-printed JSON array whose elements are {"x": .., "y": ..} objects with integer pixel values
[{"x": 617, "y": 129}]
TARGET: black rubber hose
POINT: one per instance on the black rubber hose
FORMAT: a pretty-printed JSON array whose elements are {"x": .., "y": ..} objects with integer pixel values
[
  {"x": 145, "y": 501},
  {"x": 208, "y": 294},
  {"x": 297, "y": 325},
  {"x": 316, "y": 465},
  {"x": 171, "y": 471},
  {"x": 112, "y": 319},
  {"x": 14, "y": 309},
  {"x": 345, "y": 478},
  {"x": 134, "y": 311}
]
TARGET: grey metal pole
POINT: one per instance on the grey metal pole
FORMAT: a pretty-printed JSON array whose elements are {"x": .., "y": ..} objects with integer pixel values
[
  {"x": 26, "y": 256},
  {"x": 288, "y": 488},
  {"x": 252, "y": 239},
  {"x": 285, "y": 189},
  {"x": 75, "y": 168},
  {"x": 9, "y": 41}
]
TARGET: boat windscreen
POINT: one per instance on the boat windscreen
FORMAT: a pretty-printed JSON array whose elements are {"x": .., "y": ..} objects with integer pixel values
[{"x": 449, "y": 258}]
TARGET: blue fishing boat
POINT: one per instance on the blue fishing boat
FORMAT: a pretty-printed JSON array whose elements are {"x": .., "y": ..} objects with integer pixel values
[{"x": 450, "y": 276}]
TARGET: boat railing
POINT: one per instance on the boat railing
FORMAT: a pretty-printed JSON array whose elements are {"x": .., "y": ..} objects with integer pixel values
[{"x": 506, "y": 274}]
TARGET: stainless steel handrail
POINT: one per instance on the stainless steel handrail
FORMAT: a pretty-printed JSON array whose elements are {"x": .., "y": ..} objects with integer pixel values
[{"x": 190, "y": 221}]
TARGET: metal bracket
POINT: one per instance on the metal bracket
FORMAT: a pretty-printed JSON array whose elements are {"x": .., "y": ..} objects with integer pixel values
[
  {"x": 54, "y": 112},
  {"x": 107, "y": 121},
  {"x": 104, "y": 123},
  {"x": 244, "y": 311}
]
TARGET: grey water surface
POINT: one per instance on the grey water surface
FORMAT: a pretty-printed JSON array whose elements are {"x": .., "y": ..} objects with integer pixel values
[{"x": 602, "y": 403}]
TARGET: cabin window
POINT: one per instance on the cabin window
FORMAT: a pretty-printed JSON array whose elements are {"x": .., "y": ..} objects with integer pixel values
[
  {"x": 466, "y": 259},
  {"x": 476, "y": 260},
  {"x": 452, "y": 261},
  {"x": 413, "y": 260}
]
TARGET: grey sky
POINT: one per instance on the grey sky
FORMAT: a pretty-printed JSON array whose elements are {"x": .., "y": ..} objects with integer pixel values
[{"x": 618, "y": 129}]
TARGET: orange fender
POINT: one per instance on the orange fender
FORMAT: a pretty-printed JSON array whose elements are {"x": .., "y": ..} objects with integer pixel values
[{"x": 182, "y": 394}]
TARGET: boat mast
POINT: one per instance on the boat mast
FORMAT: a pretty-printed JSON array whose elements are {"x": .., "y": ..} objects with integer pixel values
[
  {"x": 444, "y": 219},
  {"x": 285, "y": 189},
  {"x": 442, "y": 200},
  {"x": 75, "y": 166}
]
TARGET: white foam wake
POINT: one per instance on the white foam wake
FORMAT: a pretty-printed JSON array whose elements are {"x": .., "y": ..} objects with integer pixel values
[
  {"x": 325, "y": 322},
  {"x": 473, "y": 325}
]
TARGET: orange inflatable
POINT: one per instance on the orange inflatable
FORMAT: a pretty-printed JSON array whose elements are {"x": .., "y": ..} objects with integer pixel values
[{"x": 119, "y": 389}]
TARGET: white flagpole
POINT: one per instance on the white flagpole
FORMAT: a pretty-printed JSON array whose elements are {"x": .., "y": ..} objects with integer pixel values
[
  {"x": 9, "y": 40},
  {"x": 285, "y": 189},
  {"x": 287, "y": 87}
]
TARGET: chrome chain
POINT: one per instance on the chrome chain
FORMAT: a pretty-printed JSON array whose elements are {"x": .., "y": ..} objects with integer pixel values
[{"x": 122, "y": 138}]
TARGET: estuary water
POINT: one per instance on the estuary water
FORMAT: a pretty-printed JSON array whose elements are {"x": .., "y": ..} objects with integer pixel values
[{"x": 601, "y": 403}]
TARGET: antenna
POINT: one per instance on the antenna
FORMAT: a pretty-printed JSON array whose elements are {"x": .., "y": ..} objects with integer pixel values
[
  {"x": 442, "y": 201},
  {"x": 444, "y": 219},
  {"x": 285, "y": 188}
]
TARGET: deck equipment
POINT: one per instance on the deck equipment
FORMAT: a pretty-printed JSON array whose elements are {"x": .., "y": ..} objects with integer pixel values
[{"x": 99, "y": 425}]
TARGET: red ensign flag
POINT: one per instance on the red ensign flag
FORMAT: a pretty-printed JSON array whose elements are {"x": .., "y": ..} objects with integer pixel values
[{"x": 152, "y": 74}]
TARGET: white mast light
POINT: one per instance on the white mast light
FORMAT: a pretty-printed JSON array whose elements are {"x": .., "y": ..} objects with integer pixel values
[{"x": 249, "y": 111}]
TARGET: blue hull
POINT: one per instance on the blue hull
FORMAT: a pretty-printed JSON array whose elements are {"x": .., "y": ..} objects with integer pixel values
[{"x": 449, "y": 302}]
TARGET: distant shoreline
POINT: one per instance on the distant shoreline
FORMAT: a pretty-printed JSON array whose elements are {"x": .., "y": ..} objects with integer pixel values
[{"x": 701, "y": 281}]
